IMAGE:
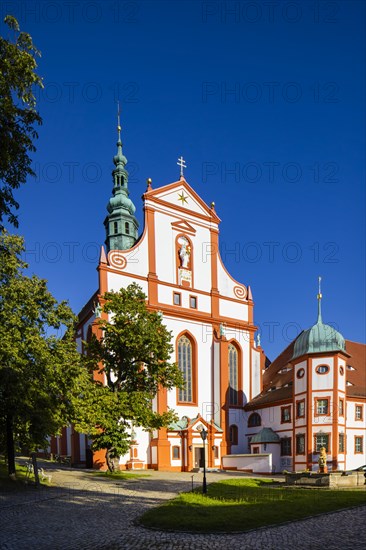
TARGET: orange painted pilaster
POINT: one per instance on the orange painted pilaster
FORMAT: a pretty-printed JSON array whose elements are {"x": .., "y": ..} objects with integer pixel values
[
  {"x": 152, "y": 279},
  {"x": 309, "y": 411},
  {"x": 335, "y": 415},
  {"x": 224, "y": 386},
  {"x": 214, "y": 278}
]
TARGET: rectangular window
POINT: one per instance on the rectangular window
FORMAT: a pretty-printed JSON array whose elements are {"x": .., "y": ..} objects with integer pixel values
[
  {"x": 216, "y": 451},
  {"x": 256, "y": 450},
  {"x": 285, "y": 414},
  {"x": 321, "y": 440},
  {"x": 286, "y": 446},
  {"x": 322, "y": 406},
  {"x": 358, "y": 444},
  {"x": 193, "y": 302},
  {"x": 300, "y": 444},
  {"x": 341, "y": 407},
  {"x": 358, "y": 412},
  {"x": 341, "y": 443},
  {"x": 176, "y": 298},
  {"x": 300, "y": 408},
  {"x": 176, "y": 453}
]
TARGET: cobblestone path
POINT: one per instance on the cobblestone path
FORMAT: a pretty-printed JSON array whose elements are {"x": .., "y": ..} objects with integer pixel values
[{"x": 82, "y": 513}]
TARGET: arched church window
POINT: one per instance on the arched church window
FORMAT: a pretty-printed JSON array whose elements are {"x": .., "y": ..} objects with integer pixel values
[
  {"x": 127, "y": 228},
  {"x": 254, "y": 420},
  {"x": 185, "y": 365},
  {"x": 233, "y": 375},
  {"x": 115, "y": 227}
]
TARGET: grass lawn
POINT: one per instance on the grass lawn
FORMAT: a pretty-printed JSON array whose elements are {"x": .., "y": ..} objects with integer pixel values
[
  {"x": 21, "y": 476},
  {"x": 242, "y": 504}
]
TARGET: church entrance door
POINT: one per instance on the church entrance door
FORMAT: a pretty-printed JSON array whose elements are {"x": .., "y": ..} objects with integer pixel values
[{"x": 198, "y": 457}]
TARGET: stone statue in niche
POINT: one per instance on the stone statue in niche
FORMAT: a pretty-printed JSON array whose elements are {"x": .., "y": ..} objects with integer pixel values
[
  {"x": 98, "y": 311},
  {"x": 184, "y": 252}
]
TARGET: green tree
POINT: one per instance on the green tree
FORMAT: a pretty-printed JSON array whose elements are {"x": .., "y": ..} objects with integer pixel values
[
  {"x": 18, "y": 114},
  {"x": 134, "y": 358},
  {"x": 40, "y": 372}
]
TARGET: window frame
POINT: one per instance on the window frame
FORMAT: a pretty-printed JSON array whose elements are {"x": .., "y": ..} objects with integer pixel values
[
  {"x": 175, "y": 448},
  {"x": 298, "y": 436},
  {"x": 289, "y": 445},
  {"x": 358, "y": 406},
  {"x": 341, "y": 407},
  {"x": 327, "y": 446},
  {"x": 234, "y": 390},
  {"x": 300, "y": 402},
  {"x": 254, "y": 415},
  {"x": 191, "y": 297},
  {"x": 358, "y": 437},
  {"x": 341, "y": 438},
  {"x": 179, "y": 296},
  {"x": 193, "y": 369},
  {"x": 318, "y": 367},
  {"x": 316, "y": 408},
  {"x": 283, "y": 409},
  {"x": 233, "y": 434}
]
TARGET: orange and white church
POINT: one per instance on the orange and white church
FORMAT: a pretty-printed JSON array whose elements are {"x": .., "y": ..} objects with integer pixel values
[{"x": 259, "y": 416}]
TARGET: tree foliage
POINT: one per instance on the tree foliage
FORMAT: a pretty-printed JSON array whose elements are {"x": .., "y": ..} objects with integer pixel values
[
  {"x": 134, "y": 359},
  {"x": 40, "y": 368},
  {"x": 18, "y": 114}
]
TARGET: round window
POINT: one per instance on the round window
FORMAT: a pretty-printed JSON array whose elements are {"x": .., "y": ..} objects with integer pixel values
[
  {"x": 322, "y": 369},
  {"x": 300, "y": 373}
]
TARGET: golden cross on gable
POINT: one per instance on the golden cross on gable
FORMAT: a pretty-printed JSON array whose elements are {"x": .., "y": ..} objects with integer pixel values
[{"x": 183, "y": 198}]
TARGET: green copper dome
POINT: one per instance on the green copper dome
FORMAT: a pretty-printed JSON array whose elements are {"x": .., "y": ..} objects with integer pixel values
[
  {"x": 319, "y": 338},
  {"x": 266, "y": 435}
]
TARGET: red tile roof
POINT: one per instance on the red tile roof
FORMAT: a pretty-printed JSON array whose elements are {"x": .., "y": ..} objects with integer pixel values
[{"x": 279, "y": 375}]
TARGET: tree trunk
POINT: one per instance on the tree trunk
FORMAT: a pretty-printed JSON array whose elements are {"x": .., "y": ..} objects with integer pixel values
[
  {"x": 110, "y": 461},
  {"x": 10, "y": 445}
]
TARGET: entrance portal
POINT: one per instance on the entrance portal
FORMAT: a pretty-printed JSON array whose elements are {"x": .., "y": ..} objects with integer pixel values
[{"x": 198, "y": 457}]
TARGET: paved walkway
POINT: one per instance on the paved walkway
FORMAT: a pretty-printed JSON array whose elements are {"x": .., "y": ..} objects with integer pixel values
[{"x": 83, "y": 513}]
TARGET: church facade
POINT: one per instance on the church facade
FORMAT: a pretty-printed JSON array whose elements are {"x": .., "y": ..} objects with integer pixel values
[{"x": 287, "y": 409}]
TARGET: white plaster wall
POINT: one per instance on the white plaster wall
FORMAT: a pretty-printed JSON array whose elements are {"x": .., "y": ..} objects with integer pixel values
[
  {"x": 300, "y": 383},
  {"x": 225, "y": 281},
  {"x": 204, "y": 354},
  {"x": 137, "y": 258},
  {"x": 354, "y": 460},
  {"x": 117, "y": 281},
  {"x": 323, "y": 381},
  {"x": 165, "y": 248},
  {"x": 255, "y": 462},
  {"x": 171, "y": 196},
  {"x": 165, "y": 296},
  {"x": 154, "y": 455},
  {"x": 234, "y": 310},
  {"x": 319, "y": 420},
  {"x": 271, "y": 418},
  {"x": 216, "y": 379},
  {"x": 342, "y": 378},
  {"x": 202, "y": 258}
]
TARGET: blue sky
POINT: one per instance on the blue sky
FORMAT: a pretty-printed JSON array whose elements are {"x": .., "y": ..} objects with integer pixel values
[{"x": 265, "y": 101}]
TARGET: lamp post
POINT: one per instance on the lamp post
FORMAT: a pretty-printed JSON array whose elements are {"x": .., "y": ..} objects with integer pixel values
[{"x": 204, "y": 437}]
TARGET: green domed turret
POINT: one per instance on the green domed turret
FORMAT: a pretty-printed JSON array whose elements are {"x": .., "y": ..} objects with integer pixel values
[
  {"x": 120, "y": 224},
  {"x": 319, "y": 338}
]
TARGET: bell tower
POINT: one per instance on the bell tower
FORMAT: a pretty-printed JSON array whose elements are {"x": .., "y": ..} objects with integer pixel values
[{"x": 120, "y": 224}]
